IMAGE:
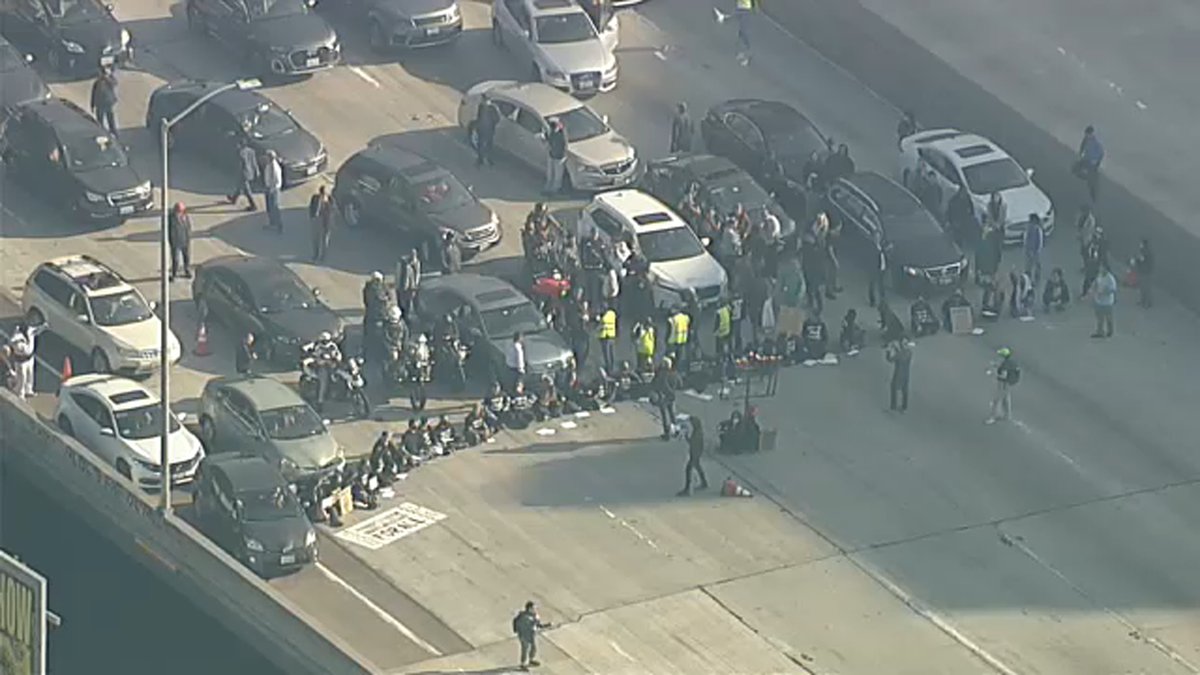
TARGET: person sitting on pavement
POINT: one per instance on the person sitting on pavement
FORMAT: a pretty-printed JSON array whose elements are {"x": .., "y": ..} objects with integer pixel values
[
  {"x": 520, "y": 408},
  {"x": 547, "y": 404},
  {"x": 816, "y": 337},
  {"x": 956, "y": 299},
  {"x": 628, "y": 383},
  {"x": 495, "y": 406},
  {"x": 993, "y": 301},
  {"x": 429, "y": 438},
  {"x": 578, "y": 395},
  {"x": 1056, "y": 293},
  {"x": 444, "y": 434},
  {"x": 922, "y": 320},
  {"x": 727, "y": 432},
  {"x": 476, "y": 428},
  {"x": 853, "y": 337},
  {"x": 412, "y": 443}
]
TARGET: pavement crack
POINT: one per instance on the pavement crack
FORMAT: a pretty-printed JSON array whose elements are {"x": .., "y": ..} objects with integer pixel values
[{"x": 784, "y": 649}]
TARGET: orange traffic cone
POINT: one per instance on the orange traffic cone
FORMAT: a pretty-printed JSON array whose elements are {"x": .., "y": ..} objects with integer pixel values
[
  {"x": 731, "y": 488},
  {"x": 67, "y": 371},
  {"x": 201, "y": 341}
]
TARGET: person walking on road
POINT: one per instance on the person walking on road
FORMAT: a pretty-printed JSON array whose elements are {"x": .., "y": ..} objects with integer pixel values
[
  {"x": 1008, "y": 374},
  {"x": 246, "y": 355},
  {"x": 663, "y": 387},
  {"x": 179, "y": 236},
  {"x": 1103, "y": 299},
  {"x": 682, "y": 129},
  {"x": 526, "y": 625},
  {"x": 320, "y": 216},
  {"x": 556, "y": 156},
  {"x": 899, "y": 354},
  {"x": 104, "y": 99},
  {"x": 1034, "y": 243},
  {"x": 272, "y": 176},
  {"x": 1087, "y": 165},
  {"x": 408, "y": 282},
  {"x": 247, "y": 164},
  {"x": 695, "y": 442},
  {"x": 1143, "y": 267},
  {"x": 486, "y": 120},
  {"x": 743, "y": 13}
]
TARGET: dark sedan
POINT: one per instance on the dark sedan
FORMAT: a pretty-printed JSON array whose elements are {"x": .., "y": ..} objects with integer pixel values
[
  {"x": 261, "y": 296},
  {"x": 878, "y": 211},
  {"x": 19, "y": 83},
  {"x": 218, "y": 128},
  {"x": 399, "y": 189},
  {"x": 245, "y": 506},
  {"x": 410, "y": 23},
  {"x": 489, "y": 311},
  {"x": 76, "y": 37},
  {"x": 275, "y": 37},
  {"x": 766, "y": 138},
  {"x": 722, "y": 186}
]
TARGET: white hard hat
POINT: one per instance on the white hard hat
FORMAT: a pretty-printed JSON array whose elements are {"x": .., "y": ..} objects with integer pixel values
[
  {"x": 395, "y": 314},
  {"x": 325, "y": 336},
  {"x": 422, "y": 339},
  {"x": 377, "y": 275}
]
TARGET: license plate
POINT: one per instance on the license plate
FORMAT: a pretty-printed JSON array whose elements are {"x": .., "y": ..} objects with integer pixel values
[
  {"x": 107, "y": 60},
  {"x": 289, "y": 559},
  {"x": 310, "y": 170},
  {"x": 125, "y": 210},
  {"x": 433, "y": 31},
  {"x": 587, "y": 84},
  {"x": 946, "y": 281},
  {"x": 312, "y": 62}
]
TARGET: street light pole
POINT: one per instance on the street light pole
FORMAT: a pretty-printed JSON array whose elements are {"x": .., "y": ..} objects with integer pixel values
[{"x": 164, "y": 283}]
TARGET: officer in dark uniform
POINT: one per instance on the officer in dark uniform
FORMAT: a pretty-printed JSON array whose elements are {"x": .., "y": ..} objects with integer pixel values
[{"x": 695, "y": 452}]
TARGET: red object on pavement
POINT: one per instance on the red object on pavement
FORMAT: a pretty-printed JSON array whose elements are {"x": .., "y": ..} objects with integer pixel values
[{"x": 201, "y": 341}]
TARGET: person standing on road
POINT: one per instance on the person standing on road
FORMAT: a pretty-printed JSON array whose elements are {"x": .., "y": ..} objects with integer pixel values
[
  {"x": 1143, "y": 267},
  {"x": 680, "y": 328},
  {"x": 1091, "y": 155},
  {"x": 246, "y": 355},
  {"x": 743, "y": 13},
  {"x": 682, "y": 130},
  {"x": 695, "y": 442},
  {"x": 556, "y": 156},
  {"x": 663, "y": 387},
  {"x": 408, "y": 281},
  {"x": 451, "y": 254},
  {"x": 899, "y": 354},
  {"x": 525, "y": 625},
  {"x": 608, "y": 338},
  {"x": 1008, "y": 373},
  {"x": 247, "y": 164},
  {"x": 179, "y": 237},
  {"x": 320, "y": 215},
  {"x": 272, "y": 176},
  {"x": 514, "y": 360},
  {"x": 486, "y": 120},
  {"x": 23, "y": 345},
  {"x": 1034, "y": 243},
  {"x": 877, "y": 285},
  {"x": 104, "y": 99},
  {"x": 1103, "y": 300}
]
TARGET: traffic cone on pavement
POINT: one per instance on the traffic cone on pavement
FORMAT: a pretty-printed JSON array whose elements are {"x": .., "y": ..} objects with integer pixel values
[
  {"x": 67, "y": 371},
  {"x": 201, "y": 341},
  {"x": 731, "y": 488}
]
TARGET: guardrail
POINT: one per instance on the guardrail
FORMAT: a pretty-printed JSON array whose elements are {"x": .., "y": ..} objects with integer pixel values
[{"x": 187, "y": 560}]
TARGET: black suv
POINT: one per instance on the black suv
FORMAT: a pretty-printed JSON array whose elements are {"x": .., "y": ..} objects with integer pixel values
[
  {"x": 410, "y": 23},
  {"x": 75, "y": 36},
  {"x": 275, "y": 37},
  {"x": 218, "y": 128},
  {"x": 56, "y": 148},
  {"x": 878, "y": 211},
  {"x": 397, "y": 188}
]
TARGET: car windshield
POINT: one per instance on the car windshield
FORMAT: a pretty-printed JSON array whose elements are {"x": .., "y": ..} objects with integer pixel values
[
  {"x": 84, "y": 153},
  {"x": 292, "y": 422},
  {"x": 120, "y": 309},
  {"x": 562, "y": 28},
  {"x": 279, "y": 295},
  {"x": 441, "y": 192},
  {"x": 275, "y": 8},
  {"x": 997, "y": 175},
  {"x": 266, "y": 505},
  {"x": 10, "y": 59},
  {"x": 674, "y": 243},
  {"x": 267, "y": 121},
  {"x": 581, "y": 124},
  {"x": 747, "y": 193},
  {"x": 138, "y": 424},
  {"x": 513, "y": 319},
  {"x": 72, "y": 11}
]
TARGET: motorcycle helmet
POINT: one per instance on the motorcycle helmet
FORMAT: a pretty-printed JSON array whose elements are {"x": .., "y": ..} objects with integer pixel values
[
  {"x": 395, "y": 314},
  {"x": 377, "y": 275},
  {"x": 421, "y": 339},
  {"x": 325, "y": 336}
]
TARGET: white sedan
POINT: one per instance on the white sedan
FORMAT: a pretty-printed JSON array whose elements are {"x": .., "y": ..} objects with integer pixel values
[
  {"x": 956, "y": 158},
  {"x": 120, "y": 421}
]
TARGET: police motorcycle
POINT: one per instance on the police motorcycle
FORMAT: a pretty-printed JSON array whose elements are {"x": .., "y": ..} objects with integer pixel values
[
  {"x": 420, "y": 372},
  {"x": 346, "y": 381}
]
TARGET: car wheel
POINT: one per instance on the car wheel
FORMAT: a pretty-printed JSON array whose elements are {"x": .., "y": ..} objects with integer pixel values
[
  {"x": 376, "y": 37},
  {"x": 64, "y": 425},
  {"x": 123, "y": 469},
  {"x": 352, "y": 213},
  {"x": 497, "y": 34},
  {"x": 34, "y": 317},
  {"x": 208, "y": 433},
  {"x": 100, "y": 363}
]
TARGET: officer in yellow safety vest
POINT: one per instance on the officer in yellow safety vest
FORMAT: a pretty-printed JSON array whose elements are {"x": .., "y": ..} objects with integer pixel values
[
  {"x": 743, "y": 10},
  {"x": 643, "y": 334},
  {"x": 680, "y": 323},
  {"x": 724, "y": 328},
  {"x": 608, "y": 338}
]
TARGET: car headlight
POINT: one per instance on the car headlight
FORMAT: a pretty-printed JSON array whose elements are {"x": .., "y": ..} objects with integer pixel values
[
  {"x": 94, "y": 196},
  {"x": 912, "y": 271},
  {"x": 144, "y": 188},
  {"x": 310, "y": 538},
  {"x": 455, "y": 14},
  {"x": 1049, "y": 215},
  {"x": 588, "y": 168},
  {"x": 148, "y": 466},
  {"x": 125, "y": 37},
  {"x": 253, "y": 544},
  {"x": 128, "y": 352},
  {"x": 286, "y": 464},
  {"x": 552, "y": 74},
  {"x": 72, "y": 46}
]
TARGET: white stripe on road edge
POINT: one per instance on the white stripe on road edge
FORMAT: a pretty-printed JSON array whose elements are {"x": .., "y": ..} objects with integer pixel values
[
  {"x": 381, "y": 612},
  {"x": 695, "y": 394},
  {"x": 629, "y": 527},
  {"x": 365, "y": 76}
]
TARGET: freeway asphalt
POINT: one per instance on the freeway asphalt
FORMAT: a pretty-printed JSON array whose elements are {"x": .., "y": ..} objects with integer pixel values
[{"x": 922, "y": 543}]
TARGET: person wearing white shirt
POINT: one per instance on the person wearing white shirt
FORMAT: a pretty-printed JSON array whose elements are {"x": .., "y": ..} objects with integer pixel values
[
  {"x": 23, "y": 344},
  {"x": 772, "y": 229},
  {"x": 272, "y": 176},
  {"x": 514, "y": 359}
]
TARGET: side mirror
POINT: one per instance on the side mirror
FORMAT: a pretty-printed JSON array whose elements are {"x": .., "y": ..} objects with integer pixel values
[
  {"x": 153, "y": 305},
  {"x": 238, "y": 507},
  {"x": 316, "y": 291},
  {"x": 1029, "y": 172},
  {"x": 528, "y": 34},
  {"x": 30, "y": 58},
  {"x": 181, "y": 417},
  {"x": 706, "y": 241},
  {"x": 327, "y": 423},
  {"x": 604, "y": 118},
  {"x": 83, "y": 318},
  {"x": 105, "y": 431},
  {"x": 311, "y": 3}
]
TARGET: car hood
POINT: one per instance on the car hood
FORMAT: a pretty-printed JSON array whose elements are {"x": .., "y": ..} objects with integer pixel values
[
  {"x": 298, "y": 31},
  {"x": 181, "y": 447},
  {"x": 541, "y": 349},
  {"x": 464, "y": 217},
  {"x": 701, "y": 270},
  {"x": 109, "y": 179},
  {"x": 94, "y": 35},
  {"x": 574, "y": 57},
  {"x": 141, "y": 335},
  {"x": 1021, "y": 202},
  {"x": 299, "y": 146},
  {"x": 277, "y": 535},
  {"x": 21, "y": 85},
  {"x": 409, "y": 8},
  {"x": 922, "y": 252},
  {"x": 602, "y": 150},
  {"x": 311, "y": 453},
  {"x": 306, "y": 324}
]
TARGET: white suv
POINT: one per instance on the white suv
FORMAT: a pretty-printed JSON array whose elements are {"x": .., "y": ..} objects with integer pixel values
[
  {"x": 678, "y": 260},
  {"x": 121, "y": 421},
  {"x": 560, "y": 40},
  {"x": 92, "y": 308}
]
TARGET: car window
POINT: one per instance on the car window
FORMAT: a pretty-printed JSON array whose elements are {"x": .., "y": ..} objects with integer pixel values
[
  {"x": 10, "y": 58},
  {"x": 57, "y": 289},
  {"x": 581, "y": 124},
  {"x": 224, "y": 491},
  {"x": 291, "y": 422},
  {"x": 744, "y": 130},
  {"x": 997, "y": 175},
  {"x": 441, "y": 192},
  {"x": 75, "y": 11},
  {"x": 267, "y": 120},
  {"x": 93, "y": 151},
  {"x": 218, "y": 121},
  {"x": 529, "y": 121},
  {"x": 137, "y": 424},
  {"x": 277, "y": 503},
  {"x": 940, "y": 164},
  {"x": 119, "y": 309},
  {"x": 275, "y": 8},
  {"x": 77, "y": 304},
  {"x": 507, "y": 109},
  {"x": 519, "y": 14},
  {"x": 607, "y": 224},
  {"x": 563, "y": 28},
  {"x": 239, "y": 406},
  {"x": 93, "y": 408},
  {"x": 520, "y": 318},
  {"x": 282, "y": 293},
  {"x": 675, "y": 243}
]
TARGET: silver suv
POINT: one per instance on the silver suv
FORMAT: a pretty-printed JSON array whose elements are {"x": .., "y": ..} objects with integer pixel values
[{"x": 561, "y": 41}]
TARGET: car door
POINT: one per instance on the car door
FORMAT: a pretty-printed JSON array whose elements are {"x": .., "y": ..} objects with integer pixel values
[
  {"x": 945, "y": 173},
  {"x": 99, "y": 433},
  {"x": 849, "y": 208},
  {"x": 24, "y": 24},
  {"x": 34, "y": 154},
  {"x": 517, "y": 27},
  {"x": 216, "y": 134},
  {"x": 528, "y": 140},
  {"x": 241, "y": 423},
  {"x": 745, "y": 143},
  {"x": 227, "y": 20},
  {"x": 366, "y": 189},
  {"x": 397, "y": 205},
  {"x": 222, "y": 511},
  {"x": 249, "y": 312}
]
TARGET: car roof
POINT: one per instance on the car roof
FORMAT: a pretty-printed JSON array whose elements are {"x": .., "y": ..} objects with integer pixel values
[
  {"x": 253, "y": 268},
  {"x": 543, "y": 98},
  {"x": 401, "y": 160},
  {"x": 634, "y": 204},
  {"x": 483, "y": 291},
  {"x": 64, "y": 116},
  {"x": 553, "y": 7},
  {"x": 92, "y": 277},
  {"x": 706, "y": 168},
  {"x": 963, "y": 148},
  {"x": 889, "y": 196},
  {"x": 264, "y": 392},
  {"x": 247, "y": 473},
  {"x": 121, "y": 393},
  {"x": 770, "y": 116},
  {"x": 233, "y": 101}
]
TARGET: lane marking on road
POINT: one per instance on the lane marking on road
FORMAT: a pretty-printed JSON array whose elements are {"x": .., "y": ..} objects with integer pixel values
[
  {"x": 379, "y": 611},
  {"x": 624, "y": 523},
  {"x": 390, "y": 526},
  {"x": 365, "y": 76},
  {"x": 617, "y": 648}
]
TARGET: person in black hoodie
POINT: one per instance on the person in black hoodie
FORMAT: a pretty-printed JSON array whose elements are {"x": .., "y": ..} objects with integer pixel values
[
  {"x": 556, "y": 156},
  {"x": 486, "y": 119},
  {"x": 179, "y": 236},
  {"x": 853, "y": 337},
  {"x": 921, "y": 318},
  {"x": 104, "y": 99},
  {"x": 816, "y": 336},
  {"x": 889, "y": 323}
]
